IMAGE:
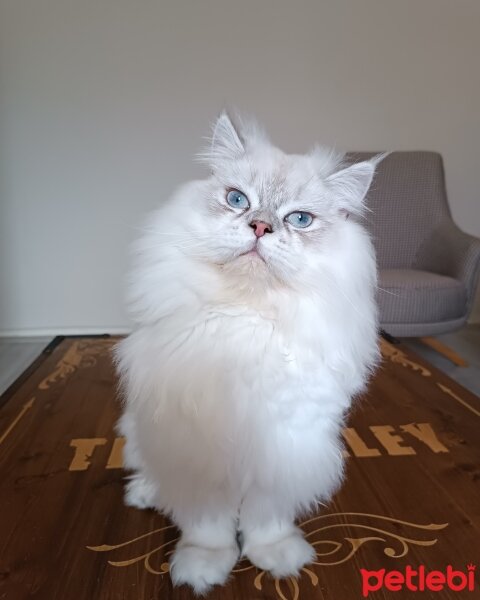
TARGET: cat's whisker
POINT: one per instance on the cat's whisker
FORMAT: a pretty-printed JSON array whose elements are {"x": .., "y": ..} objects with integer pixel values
[
  {"x": 388, "y": 292},
  {"x": 202, "y": 236},
  {"x": 331, "y": 281}
]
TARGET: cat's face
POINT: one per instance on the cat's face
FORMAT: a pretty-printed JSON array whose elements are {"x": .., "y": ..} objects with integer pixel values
[{"x": 272, "y": 213}]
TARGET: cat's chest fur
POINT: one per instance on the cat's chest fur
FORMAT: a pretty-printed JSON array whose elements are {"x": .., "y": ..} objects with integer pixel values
[
  {"x": 231, "y": 357},
  {"x": 239, "y": 336},
  {"x": 237, "y": 380}
]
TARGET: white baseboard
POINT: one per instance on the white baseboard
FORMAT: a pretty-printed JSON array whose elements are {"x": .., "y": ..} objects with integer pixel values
[{"x": 52, "y": 332}]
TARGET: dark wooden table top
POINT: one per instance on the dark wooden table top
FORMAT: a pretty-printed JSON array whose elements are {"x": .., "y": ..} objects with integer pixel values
[{"x": 410, "y": 499}]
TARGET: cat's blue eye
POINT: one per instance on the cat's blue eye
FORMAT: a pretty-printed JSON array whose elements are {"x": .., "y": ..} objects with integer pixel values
[
  {"x": 299, "y": 219},
  {"x": 237, "y": 199}
]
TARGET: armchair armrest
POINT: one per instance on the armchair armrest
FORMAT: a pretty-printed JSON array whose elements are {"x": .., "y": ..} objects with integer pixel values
[{"x": 451, "y": 252}]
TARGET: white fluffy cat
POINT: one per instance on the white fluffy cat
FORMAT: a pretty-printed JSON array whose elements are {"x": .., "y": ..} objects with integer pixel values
[{"x": 253, "y": 298}]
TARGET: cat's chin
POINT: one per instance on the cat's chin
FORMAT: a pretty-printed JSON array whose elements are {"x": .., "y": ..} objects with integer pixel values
[
  {"x": 251, "y": 264},
  {"x": 249, "y": 269},
  {"x": 252, "y": 255}
]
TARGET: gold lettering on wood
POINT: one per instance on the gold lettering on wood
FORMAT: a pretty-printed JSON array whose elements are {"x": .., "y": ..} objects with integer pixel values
[
  {"x": 84, "y": 448},
  {"x": 387, "y": 435},
  {"x": 390, "y": 441},
  {"x": 115, "y": 460},
  {"x": 357, "y": 445},
  {"x": 425, "y": 433}
]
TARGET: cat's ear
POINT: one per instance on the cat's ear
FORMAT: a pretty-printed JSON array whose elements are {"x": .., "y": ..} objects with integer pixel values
[
  {"x": 226, "y": 143},
  {"x": 350, "y": 185}
]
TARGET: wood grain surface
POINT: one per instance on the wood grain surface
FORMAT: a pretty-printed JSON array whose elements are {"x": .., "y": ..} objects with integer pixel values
[{"x": 410, "y": 498}]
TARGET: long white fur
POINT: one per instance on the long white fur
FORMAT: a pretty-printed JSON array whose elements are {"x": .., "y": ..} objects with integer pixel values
[{"x": 240, "y": 370}]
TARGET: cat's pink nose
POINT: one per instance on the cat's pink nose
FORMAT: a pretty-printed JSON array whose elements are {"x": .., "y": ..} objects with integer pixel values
[{"x": 260, "y": 228}]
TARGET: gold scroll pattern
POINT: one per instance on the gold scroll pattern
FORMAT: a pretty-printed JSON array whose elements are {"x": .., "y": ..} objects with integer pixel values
[
  {"x": 358, "y": 529},
  {"x": 397, "y": 356},
  {"x": 81, "y": 354},
  {"x": 84, "y": 353}
]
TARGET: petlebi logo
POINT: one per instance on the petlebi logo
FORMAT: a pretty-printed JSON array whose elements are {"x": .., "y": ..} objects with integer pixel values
[{"x": 419, "y": 580}]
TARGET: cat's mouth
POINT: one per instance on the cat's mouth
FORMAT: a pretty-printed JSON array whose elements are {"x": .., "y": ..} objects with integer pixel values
[{"x": 253, "y": 254}]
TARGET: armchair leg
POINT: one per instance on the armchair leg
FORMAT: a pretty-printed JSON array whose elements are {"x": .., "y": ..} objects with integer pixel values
[{"x": 444, "y": 350}]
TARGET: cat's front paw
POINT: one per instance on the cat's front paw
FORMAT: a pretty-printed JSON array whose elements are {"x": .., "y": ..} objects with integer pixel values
[
  {"x": 282, "y": 558},
  {"x": 202, "y": 568}
]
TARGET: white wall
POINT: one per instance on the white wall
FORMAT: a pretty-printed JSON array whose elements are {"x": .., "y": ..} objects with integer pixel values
[{"x": 104, "y": 102}]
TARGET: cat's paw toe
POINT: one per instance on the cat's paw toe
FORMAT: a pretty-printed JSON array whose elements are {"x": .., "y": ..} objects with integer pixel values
[
  {"x": 283, "y": 558},
  {"x": 140, "y": 493},
  {"x": 202, "y": 568}
]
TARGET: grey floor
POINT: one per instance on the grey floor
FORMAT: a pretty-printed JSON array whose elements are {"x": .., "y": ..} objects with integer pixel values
[
  {"x": 466, "y": 343},
  {"x": 16, "y": 354}
]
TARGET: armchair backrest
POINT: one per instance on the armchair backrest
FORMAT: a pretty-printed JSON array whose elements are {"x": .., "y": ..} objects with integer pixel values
[{"x": 408, "y": 201}]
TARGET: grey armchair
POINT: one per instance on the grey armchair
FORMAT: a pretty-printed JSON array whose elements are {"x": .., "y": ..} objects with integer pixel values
[{"x": 428, "y": 267}]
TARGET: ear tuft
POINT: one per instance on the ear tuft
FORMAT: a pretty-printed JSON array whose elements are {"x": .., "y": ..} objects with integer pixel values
[
  {"x": 350, "y": 185},
  {"x": 226, "y": 143},
  {"x": 231, "y": 139}
]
